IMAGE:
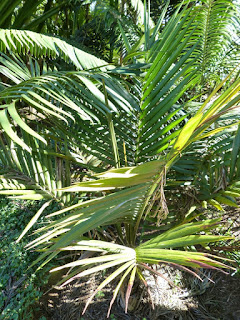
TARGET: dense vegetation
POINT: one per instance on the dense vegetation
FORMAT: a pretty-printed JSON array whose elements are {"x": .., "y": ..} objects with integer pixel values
[
  {"x": 127, "y": 120},
  {"x": 19, "y": 290}
]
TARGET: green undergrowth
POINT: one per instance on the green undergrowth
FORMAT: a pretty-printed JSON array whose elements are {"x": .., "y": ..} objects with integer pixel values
[{"x": 19, "y": 288}]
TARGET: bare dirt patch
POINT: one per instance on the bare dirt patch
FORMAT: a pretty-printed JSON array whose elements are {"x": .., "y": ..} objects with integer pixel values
[{"x": 189, "y": 299}]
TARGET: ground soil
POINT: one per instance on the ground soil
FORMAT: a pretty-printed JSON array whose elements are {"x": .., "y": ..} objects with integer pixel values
[{"x": 218, "y": 298}]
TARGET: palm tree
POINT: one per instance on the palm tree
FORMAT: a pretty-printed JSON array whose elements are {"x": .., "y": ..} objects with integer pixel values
[{"x": 103, "y": 141}]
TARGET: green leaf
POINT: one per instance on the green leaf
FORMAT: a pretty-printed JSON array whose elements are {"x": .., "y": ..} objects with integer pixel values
[
  {"x": 4, "y": 122},
  {"x": 114, "y": 275},
  {"x": 120, "y": 178},
  {"x": 34, "y": 219},
  {"x": 125, "y": 39},
  {"x": 99, "y": 212},
  {"x": 235, "y": 152},
  {"x": 43, "y": 44},
  {"x": 216, "y": 204},
  {"x": 101, "y": 259},
  {"x": 186, "y": 133},
  {"x": 185, "y": 229},
  {"x": 229, "y": 201},
  {"x": 190, "y": 240},
  {"x": 13, "y": 113},
  {"x": 185, "y": 258}
]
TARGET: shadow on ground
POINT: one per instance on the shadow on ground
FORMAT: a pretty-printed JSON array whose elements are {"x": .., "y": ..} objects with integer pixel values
[{"x": 190, "y": 299}]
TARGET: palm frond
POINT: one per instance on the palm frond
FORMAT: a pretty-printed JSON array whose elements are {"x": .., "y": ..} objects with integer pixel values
[
  {"x": 164, "y": 83},
  {"x": 39, "y": 45},
  {"x": 216, "y": 25},
  {"x": 87, "y": 216}
]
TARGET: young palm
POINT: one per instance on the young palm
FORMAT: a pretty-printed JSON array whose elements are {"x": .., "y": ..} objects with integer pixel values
[{"x": 129, "y": 121}]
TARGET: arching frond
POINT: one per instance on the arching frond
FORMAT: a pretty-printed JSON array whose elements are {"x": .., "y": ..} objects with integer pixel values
[
  {"x": 164, "y": 83},
  {"x": 39, "y": 45},
  {"x": 32, "y": 176}
]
